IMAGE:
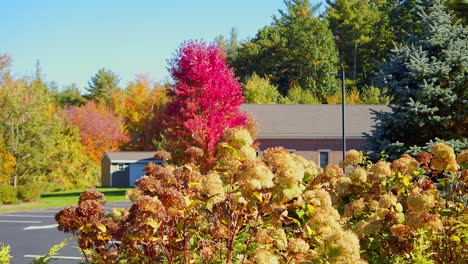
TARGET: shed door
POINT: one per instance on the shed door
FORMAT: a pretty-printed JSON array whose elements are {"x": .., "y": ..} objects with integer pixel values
[
  {"x": 120, "y": 175},
  {"x": 136, "y": 171}
]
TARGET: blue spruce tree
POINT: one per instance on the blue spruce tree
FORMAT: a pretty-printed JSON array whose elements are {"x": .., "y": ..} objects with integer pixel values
[{"x": 427, "y": 84}]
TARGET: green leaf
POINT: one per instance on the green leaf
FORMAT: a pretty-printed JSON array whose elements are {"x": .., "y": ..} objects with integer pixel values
[
  {"x": 153, "y": 223},
  {"x": 401, "y": 217},
  {"x": 300, "y": 212},
  {"x": 307, "y": 177},
  {"x": 209, "y": 207},
  {"x": 258, "y": 196},
  {"x": 399, "y": 208},
  {"x": 294, "y": 220},
  {"x": 290, "y": 193},
  {"x": 309, "y": 209},
  {"x": 180, "y": 226},
  {"x": 101, "y": 227}
]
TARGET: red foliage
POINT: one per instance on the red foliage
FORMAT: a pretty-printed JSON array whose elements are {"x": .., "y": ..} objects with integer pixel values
[
  {"x": 207, "y": 99},
  {"x": 100, "y": 129}
]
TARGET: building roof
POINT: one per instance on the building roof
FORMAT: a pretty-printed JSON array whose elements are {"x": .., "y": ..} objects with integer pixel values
[
  {"x": 130, "y": 156},
  {"x": 312, "y": 121}
]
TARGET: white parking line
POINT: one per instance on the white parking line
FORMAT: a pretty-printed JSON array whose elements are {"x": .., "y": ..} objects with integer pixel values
[
  {"x": 21, "y": 215},
  {"x": 41, "y": 227},
  {"x": 54, "y": 257},
  {"x": 14, "y": 221}
]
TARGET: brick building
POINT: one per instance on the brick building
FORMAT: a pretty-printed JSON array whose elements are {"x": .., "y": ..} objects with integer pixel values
[{"x": 313, "y": 131}]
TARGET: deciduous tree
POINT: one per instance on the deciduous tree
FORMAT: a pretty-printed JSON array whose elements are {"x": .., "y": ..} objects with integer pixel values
[
  {"x": 258, "y": 90},
  {"x": 206, "y": 100},
  {"x": 100, "y": 129},
  {"x": 362, "y": 35},
  {"x": 297, "y": 49},
  {"x": 144, "y": 102}
]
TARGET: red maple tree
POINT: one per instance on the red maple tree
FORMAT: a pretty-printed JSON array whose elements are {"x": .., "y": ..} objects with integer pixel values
[{"x": 206, "y": 100}]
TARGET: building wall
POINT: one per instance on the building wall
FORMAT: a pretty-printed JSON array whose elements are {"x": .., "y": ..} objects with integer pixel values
[
  {"x": 136, "y": 172},
  {"x": 105, "y": 172},
  {"x": 310, "y": 148}
]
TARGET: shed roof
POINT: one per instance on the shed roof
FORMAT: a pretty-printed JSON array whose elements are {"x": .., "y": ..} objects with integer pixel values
[
  {"x": 130, "y": 156},
  {"x": 312, "y": 121}
]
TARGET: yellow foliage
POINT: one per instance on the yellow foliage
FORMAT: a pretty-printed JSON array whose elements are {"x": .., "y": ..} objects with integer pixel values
[{"x": 7, "y": 164}]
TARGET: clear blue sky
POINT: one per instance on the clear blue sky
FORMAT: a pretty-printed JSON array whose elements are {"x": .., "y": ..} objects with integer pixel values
[{"x": 73, "y": 39}]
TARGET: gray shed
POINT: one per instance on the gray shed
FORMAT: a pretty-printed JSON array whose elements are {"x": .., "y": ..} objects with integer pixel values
[{"x": 123, "y": 168}]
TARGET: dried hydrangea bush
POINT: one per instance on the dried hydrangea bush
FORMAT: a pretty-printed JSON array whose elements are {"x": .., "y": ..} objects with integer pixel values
[{"x": 281, "y": 208}]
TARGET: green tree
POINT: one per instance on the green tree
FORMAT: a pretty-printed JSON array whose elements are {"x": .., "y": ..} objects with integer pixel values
[
  {"x": 297, "y": 95},
  {"x": 460, "y": 9},
  {"x": 362, "y": 35},
  {"x": 426, "y": 82},
  {"x": 297, "y": 49},
  {"x": 258, "y": 90},
  {"x": 70, "y": 96},
  {"x": 231, "y": 44},
  {"x": 37, "y": 137},
  {"x": 101, "y": 86}
]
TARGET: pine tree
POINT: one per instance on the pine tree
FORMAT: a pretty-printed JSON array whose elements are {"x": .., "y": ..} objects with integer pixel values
[
  {"x": 427, "y": 83},
  {"x": 101, "y": 86}
]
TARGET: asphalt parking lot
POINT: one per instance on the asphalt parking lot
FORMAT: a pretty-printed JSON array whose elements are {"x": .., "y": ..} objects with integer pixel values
[{"x": 32, "y": 233}]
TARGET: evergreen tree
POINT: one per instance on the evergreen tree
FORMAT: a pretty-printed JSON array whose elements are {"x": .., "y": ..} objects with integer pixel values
[
  {"x": 297, "y": 49},
  {"x": 70, "y": 96},
  {"x": 460, "y": 9},
  {"x": 101, "y": 86},
  {"x": 427, "y": 82}
]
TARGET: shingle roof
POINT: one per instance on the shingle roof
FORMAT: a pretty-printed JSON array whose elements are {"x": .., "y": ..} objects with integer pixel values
[
  {"x": 312, "y": 121},
  {"x": 130, "y": 156}
]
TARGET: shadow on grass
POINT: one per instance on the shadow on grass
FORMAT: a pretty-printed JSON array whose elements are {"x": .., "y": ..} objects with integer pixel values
[
  {"x": 71, "y": 194},
  {"x": 77, "y": 193}
]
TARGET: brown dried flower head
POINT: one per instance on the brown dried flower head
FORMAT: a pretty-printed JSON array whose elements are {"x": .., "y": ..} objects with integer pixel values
[
  {"x": 90, "y": 210},
  {"x": 194, "y": 153},
  {"x": 91, "y": 194},
  {"x": 424, "y": 158},
  {"x": 67, "y": 219},
  {"x": 406, "y": 164},
  {"x": 462, "y": 158},
  {"x": 400, "y": 230},
  {"x": 163, "y": 155}
]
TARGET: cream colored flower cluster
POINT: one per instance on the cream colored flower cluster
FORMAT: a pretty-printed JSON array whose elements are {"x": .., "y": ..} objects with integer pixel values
[{"x": 444, "y": 158}]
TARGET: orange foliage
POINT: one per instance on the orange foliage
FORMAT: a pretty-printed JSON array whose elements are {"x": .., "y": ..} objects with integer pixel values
[
  {"x": 142, "y": 106},
  {"x": 100, "y": 128}
]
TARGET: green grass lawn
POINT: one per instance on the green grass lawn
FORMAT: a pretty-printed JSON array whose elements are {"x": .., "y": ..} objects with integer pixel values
[{"x": 66, "y": 198}]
